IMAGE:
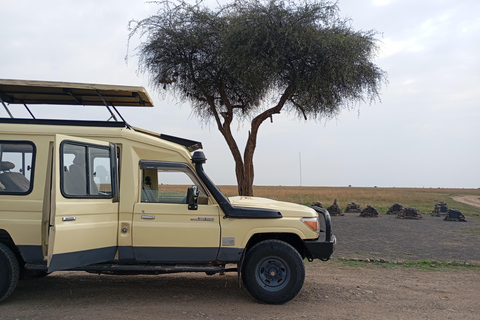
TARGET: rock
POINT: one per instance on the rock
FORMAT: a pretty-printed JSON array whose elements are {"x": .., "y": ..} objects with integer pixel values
[
  {"x": 440, "y": 209},
  {"x": 317, "y": 204},
  {"x": 353, "y": 208},
  {"x": 395, "y": 208},
  {"x": 454, "y": 215},
  {"x": 369, "y": 212},
  {"x": 335, "y": 209},
  {"x": 409, "y": 213}
]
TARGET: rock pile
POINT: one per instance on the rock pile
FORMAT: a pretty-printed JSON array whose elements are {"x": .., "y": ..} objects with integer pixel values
[
  {"x": 317, "y": 204},
  {"x": 396, "y": 208},
  {"x": 454, "y": 215},
  {"x": 440, "y": 209},
  {"x": 409, "y": 213},
  {"x": 369, "y": 212},
  {"x": 353, "y": 208},
  {"x": 335, "y": 209}
]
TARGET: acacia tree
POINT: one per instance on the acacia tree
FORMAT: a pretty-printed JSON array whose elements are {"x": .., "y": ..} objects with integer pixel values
[{"x": 251, "y": 59}]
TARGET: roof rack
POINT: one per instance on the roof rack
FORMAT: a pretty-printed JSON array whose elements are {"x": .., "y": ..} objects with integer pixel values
[
  {"x": 69, "y": 93},
  {"x": 59, "y": 122}
]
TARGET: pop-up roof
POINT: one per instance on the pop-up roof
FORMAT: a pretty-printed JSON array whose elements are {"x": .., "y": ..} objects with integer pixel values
[{"x": 68, "y": 93}]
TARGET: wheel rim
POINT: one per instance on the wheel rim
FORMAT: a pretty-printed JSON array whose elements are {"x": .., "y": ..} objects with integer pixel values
[{"x": 272, "y": 274}]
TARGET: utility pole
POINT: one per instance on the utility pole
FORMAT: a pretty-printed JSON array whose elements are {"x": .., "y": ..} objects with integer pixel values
[{"x": 300, "y": 162}]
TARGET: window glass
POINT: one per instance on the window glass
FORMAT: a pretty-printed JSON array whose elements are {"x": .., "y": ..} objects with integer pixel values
[
  {"x": 86, "y": 171},
  {"x": 100, "y": 159},
  {"x": 16, "y": 167},
  {"x": 169, "y": 185}
]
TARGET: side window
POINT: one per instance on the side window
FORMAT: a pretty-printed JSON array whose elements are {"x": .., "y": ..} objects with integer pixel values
[
  {"x": 17, "y": 160},
  {"x": 169, "y": 184},
  {"x": 86, "y": 171}
]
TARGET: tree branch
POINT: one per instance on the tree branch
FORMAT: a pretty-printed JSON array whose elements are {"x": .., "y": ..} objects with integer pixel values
[
  {"x": 300, "y": 108},
  {"x": 252, "y": 136}
]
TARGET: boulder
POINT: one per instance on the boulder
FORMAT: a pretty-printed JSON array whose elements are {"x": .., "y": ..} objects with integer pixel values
[
  {"x": 454, "y": 215},
  {"x": 353, "y": 208},
  {"x": 440, "y": 209},
  {"x": 396, "y": 208},
  {"x": 317, "y": 204},
  {"x": 409, "y": 213},
  {"x": 369, "y": 212},
  {"x": 335, "y": 209}
]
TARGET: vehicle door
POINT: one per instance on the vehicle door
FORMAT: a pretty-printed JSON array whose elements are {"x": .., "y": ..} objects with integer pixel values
[
  {"x": 84, "y": 207},
  {"x": 165, "y": 229}
]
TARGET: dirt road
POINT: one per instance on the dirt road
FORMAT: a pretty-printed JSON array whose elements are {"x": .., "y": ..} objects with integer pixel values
[
  {"x": 399, "y": 239},
  {"x": 473, "y": 201},
  {"x": 331, "y": 291}
]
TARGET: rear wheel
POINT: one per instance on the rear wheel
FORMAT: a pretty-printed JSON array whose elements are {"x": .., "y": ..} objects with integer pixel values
[
  {"x": 273, "y": 272},
  {"x": 9, "y": 271}
]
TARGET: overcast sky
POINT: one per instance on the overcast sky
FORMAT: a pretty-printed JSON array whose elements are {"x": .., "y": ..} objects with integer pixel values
[{"x": 425, "y": 132}]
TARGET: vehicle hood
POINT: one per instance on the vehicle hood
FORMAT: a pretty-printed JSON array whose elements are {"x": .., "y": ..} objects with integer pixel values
[{"x": 286, "y": 208}]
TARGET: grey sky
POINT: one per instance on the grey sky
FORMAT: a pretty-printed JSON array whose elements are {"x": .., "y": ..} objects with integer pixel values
[{"x": 424, "y": 133}]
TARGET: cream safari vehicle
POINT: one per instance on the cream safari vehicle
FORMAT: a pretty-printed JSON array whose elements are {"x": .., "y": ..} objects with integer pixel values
[{"x": 107, "y": 197}]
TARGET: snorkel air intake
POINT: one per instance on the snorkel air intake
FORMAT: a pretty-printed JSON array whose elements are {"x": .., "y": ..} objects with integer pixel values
[{"x": 230, "y": 211}]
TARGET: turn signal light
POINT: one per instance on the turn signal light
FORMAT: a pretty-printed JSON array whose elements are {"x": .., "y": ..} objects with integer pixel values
[{"x": 312, "y": 223}]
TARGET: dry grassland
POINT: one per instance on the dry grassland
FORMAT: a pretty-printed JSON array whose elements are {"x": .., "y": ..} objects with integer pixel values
[{"x": 423, "y": 199}]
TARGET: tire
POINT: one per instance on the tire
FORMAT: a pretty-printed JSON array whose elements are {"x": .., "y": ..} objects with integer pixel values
[
  {"x": 9, "y": 271},
  {"x": 273, "y": 272}
]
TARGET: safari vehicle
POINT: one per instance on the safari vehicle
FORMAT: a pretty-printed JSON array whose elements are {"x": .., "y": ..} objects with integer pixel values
[{"x": 107, "y": 197}]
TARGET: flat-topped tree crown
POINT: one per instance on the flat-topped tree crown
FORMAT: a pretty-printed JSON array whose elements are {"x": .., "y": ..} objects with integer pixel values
[{"x": 230, "y": 61}]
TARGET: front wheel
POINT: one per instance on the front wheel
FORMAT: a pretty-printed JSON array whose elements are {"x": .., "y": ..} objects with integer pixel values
[
  {"x": 273, "y": 272},
  {"x": 9, "y": 271}
]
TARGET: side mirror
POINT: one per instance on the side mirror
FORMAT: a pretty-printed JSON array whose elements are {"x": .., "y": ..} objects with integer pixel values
[{"x": 192, "y": 198}]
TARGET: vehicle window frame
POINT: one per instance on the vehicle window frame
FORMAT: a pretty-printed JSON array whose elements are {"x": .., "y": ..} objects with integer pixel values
[
  {"x": 88, "y": 170},
  {"x": 32, "y": 170},
  {"x": 180, "y": 166}
]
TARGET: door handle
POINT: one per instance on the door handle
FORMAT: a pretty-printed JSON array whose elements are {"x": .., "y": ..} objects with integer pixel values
[
  {"x": 145, "y": 216},
  {"x": 69, "y": 218}
]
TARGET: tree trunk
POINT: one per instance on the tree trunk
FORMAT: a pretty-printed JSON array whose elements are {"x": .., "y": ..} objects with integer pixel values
[
  {"x": 244, "y": 167},
  {"x": 244, "y": 170},
  {"x": 248, "y": 169},
  {"x": 244, "y": 177}
]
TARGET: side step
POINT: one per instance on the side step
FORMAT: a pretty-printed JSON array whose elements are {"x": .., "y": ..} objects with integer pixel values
[{"x": 140, "y": 268}]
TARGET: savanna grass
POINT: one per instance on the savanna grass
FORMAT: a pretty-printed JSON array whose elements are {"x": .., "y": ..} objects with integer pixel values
[
  {"x": 423, "y": 264},
  {"x": 423, "y": 199}
]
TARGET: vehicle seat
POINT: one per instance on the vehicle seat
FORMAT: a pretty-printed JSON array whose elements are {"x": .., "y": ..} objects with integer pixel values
[
  {"x": 148, "y": 195},
  {"x": 77, "y": 175},
  {"x": 12, "y": 181}
]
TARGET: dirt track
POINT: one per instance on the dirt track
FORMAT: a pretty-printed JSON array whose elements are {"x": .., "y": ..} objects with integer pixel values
[
  {"x": 398, "y": 239},
  {"x": 473, "y": 201},
  {"x": 331, "y": 291}
]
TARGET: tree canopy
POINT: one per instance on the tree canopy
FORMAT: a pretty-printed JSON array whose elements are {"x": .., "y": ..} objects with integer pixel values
[{"x": 252, "y": 59}]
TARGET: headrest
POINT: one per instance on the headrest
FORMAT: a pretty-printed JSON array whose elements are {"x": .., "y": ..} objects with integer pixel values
[
  {"x": 79, "y": 159},
  {"x": 6, "y": 165}
]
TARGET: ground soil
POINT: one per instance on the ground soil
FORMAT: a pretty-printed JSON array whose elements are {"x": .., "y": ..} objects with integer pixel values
[
  {"x": 474, "y": 201},
  {"x": 400, "y": 239},
  {"x": 332, "y": 290}
]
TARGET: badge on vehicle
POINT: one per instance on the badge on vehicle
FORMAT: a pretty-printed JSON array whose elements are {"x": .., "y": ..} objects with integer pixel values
[{"x": 228, "y": 241}]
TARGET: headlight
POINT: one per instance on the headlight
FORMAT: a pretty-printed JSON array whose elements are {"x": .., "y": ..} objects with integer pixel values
[{"x": 312, "y": 223}]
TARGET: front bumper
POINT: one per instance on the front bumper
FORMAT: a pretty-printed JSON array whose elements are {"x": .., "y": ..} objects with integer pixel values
[{"x": 322, "y": 249}]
